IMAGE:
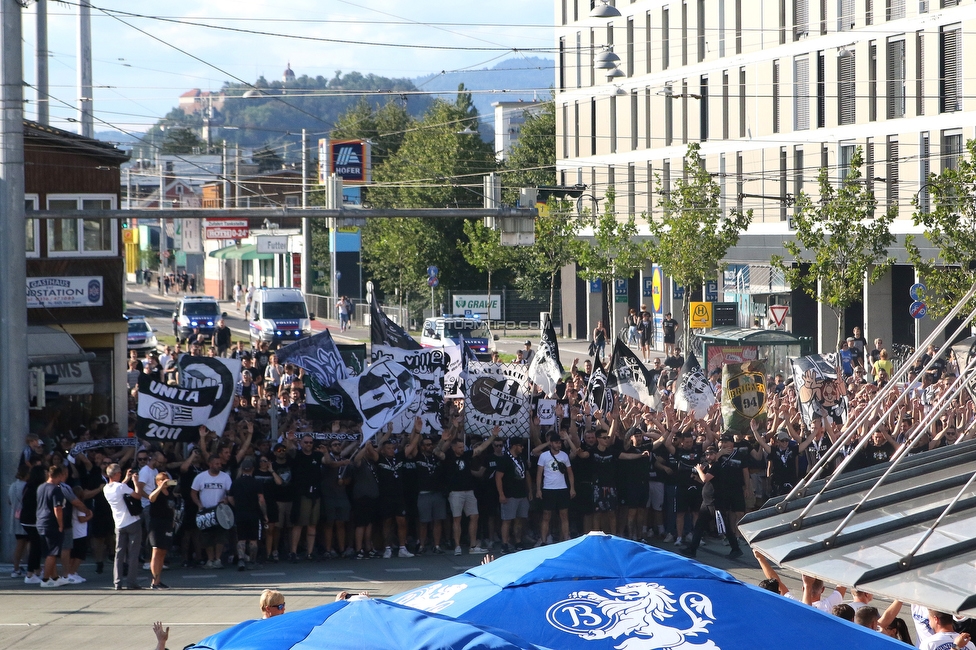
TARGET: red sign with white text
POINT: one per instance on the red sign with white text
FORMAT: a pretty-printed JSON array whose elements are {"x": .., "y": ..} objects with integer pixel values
[{"x": 227, "y": 229}]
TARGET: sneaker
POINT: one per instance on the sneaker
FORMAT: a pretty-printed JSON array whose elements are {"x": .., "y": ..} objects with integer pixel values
[
  {"x": 158, "y": 586},
  {"x": 49, "y": 584},
  {"x": 437, "y": 550},
  {"x": 421, "y": 550},
  {"x": 16, "y": 573},
  {"x": 62, "y": 581},
  {"x": 688, "y": 538},
  {"x": 32, "y": 580},
  {"x": 217, "y": 564},
  {"x": 293, "y": 558},
  {"x": 100, "y": 566},
  {"x": 240, "y": 565},
  {"x": 349, "y": 552},
  {"x": 360, "y": 556},
  {"x": 679, "y": 542},
  {"x": 668, "y": 538},
  {"x": 146, "y": 567},
  {"x": 734, "y": 553},
  {"x": 310, "y": 557},
  {"x": 457, "y": 550},
  {"x": 373, "y": 554},
  {"x": 75, "y": 579},
  {"x": 333, "y": 555},
  {"x": 387, "y": 553},
  {"x": 404, "y": 552},
  {"x": 274, "y": 556},
  {"x": 477, "y": 549},
  {"x": 208, "y": 565}
]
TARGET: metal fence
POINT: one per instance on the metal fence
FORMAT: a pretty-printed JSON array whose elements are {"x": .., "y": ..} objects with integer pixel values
[
  {"x": 324, "y": 308},
  {"x": 514, "y": 311}
]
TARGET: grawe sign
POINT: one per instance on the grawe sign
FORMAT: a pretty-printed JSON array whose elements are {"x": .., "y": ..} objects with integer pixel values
[
  {"x": 227, "y": 229},
  {"x": 485, "y": 305}
]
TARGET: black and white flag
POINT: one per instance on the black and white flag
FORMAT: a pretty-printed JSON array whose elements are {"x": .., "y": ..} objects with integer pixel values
[
  {"x": 375, "y": 398},
  {"x": 498, "y": 395},
  {"x": 598, "y": 392},
  {"x": 197, "y": 372},
  {"x": 173, "y": 412},
  {"x": 428, "y": 366},
  {"x": 545, "y": 369},
  {"x": 454, "y": 375},
  {"x": 820, "y": 388},
  {"x": 353, "y": 357},
  {"x": 546, "y": 410},
  {"x": 318, "y": 355},
  {"x": 628, "y": 376},
  {"x": 692, "y": 394},
  {"x": 383, "y": 331}
]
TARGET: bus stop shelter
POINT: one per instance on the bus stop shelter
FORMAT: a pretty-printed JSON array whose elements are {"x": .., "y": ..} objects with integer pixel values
[{"x": 722, "y": 345}]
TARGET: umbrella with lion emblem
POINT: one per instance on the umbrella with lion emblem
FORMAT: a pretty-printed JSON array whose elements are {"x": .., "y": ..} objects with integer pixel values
[{"x": 598, "y": 592}]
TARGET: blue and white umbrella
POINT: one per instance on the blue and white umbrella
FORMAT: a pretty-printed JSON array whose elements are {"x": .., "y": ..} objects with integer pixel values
[
  {"x": 358, "y": 625},
  {"x": 598, "y": 592}
]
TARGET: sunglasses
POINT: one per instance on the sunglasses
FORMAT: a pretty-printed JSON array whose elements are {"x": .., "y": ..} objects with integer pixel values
[{"x": 280, "y": 607}]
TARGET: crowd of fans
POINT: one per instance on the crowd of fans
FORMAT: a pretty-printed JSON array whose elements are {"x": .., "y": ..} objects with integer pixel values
[{"x": 303, "y": 491}]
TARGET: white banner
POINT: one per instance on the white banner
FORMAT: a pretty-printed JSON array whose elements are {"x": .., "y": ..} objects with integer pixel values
[
  {"x": 453, "y": 382},
  {"x": 497, "y": 396},
  {"x": 76, "y": 291},
  {"x": 489, "y": 306},
  {"x": 428, "y": 367}
]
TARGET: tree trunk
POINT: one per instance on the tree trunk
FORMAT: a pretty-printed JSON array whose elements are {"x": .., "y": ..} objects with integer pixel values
[
  {"x": 840, "y": 327},
  {"x": 685, "y": 324},
  {"x": 552, "y": 296}
]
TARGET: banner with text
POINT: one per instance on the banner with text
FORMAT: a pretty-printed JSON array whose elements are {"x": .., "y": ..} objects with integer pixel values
[{"x": 497, "y": 396}]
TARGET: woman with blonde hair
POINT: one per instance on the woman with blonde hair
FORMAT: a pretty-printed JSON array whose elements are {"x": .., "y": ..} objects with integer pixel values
[
  {"x": 883, "y": 367},
  {"x": 272, "y": 603}
]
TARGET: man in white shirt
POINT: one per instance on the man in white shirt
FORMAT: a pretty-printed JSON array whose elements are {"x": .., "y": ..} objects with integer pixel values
[
  {"x": 813, "y": 590},
  {"x": 944, "y": 636},
  {"x": 128, "y": 527},
  {"x": 208, "y": 490},
  {"x": 555, "y": 485}
]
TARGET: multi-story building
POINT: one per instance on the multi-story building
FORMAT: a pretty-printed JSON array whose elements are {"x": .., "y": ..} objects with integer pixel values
[{"x": 773, "y": 90}]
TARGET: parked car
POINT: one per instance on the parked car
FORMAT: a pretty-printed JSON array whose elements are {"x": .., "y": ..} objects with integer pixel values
[
  {"x": 142, "y": 336},
  {"x": 473, "y": 332}
]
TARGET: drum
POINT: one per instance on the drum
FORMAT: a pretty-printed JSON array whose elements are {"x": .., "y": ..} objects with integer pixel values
[{"x": 220, "y": 515}]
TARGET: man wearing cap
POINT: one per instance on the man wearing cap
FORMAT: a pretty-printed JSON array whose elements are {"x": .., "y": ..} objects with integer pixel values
[
  {"x": 246, "y": 495},
  {"x": 710, "y": 473},
  {"x": 528, "y": 353},
  {"x": 210, "y": 489},
  {"x": 555, "y": 486},
  {"x": 514, "y": 485},
  {"x": 782, "y": 465}
]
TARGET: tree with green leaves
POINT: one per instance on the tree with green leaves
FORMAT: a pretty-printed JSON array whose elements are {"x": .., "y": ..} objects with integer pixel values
[
  {"x": 693, "y": 235},
  {"x": 385, "y": 127},
  {"x": 950, "y": 227},
  {"x": 532, "y": 160},
  {"x": 839, "y": 241},
  {"x": 556, "y": 244},
  {"x": 614, "y": 253},
  {"x": 483, "y": 249},
  {"x": 181, "y": 140}
]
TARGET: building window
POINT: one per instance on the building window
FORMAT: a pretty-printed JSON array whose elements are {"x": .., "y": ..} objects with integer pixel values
[
  {"x": 684, "y": 111},
  {"x": 845, "y": 15},
  {"x": 630, "y": 47},
  {"x": 668, "y": 115},
  {"x": 845, "y": 153},
  {"x": 740, "y": 182},
  {"x": 721, "y": 28},
  {"x": 742, "y": 102},
  {"x": 579, "y": 59},
  {"x": 631, "y": 190},
  {"x": 775, "y": 96},
  {"x": 634, "y": 132},
  {"x": 896, "y": 78},
  {"x": 613, "y": 124},
  {"x": 665, "y": 38},
  {"x": 801, "y": 94},
  {"x": 846, "y": 89},
  {"x": 576, "y": 130},
  {"x": 823, "y": 17},
  {"x": 821, "y": 90},
  {"x": 738, "y": 26},
  {"x": 782, "y": 22},
  {"x": 894, "y": 9},
  {"x": 684, "y": 33},
  {"x": 666, "y": 178},
  {"x": 703, "y": 109},
  {"x": 81, "y": 236},
  {"x": 797, "y": 170},
  {"x": 948, "y": 3},
  {"x": 801, "y": 19},
  {"x": 868, "y": 12},
  {"x": 951, "y": 149},
  {"x": 647, "y": 43},
  {"x": 565, "y": 112},
  {"x": 923, "y": 6},
  {"x": 920, "y": 73},
  {"x": 783, "y": 183},
  {"x": 647, "y": 119},
  {"x": 562, "y": 63},
  {"x": 924, "y": 169},
  {"x": 869, "y": 165},
  {"x": 872, "y": 81},
  {"x": 592, "y": 127},
  {"x": 725, "y": 104},
  {"x": 32, "y": 227},
  {"x": 700, "y": 20},
  {"x": 891, "y": 172},
  {"x": 950, "y": 81},
  {"x": 563, "y": 12}
]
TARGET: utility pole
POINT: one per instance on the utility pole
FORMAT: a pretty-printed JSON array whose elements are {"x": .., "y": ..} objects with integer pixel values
[
  {"x": 40, "y": 65},
  {"x": 306, "y": 222},
  {"x": 13, "y": 290},
  {"x": 85, "y": 99}
]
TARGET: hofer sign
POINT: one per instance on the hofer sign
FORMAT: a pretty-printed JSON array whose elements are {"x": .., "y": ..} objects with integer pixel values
[{"x": 482, "y": 304}]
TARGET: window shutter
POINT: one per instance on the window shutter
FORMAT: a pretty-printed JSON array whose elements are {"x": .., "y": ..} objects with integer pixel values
[
  {"x": 846, "y": 90},
  {"x": 896, "y": 79},
  {"x": 821, "y": 90},
  {"x": 775, "y": 96},
  {"x": 801, "y": 94},
  {"x": 895, "y": 9},
  {"x": 845, "y": 21},
  {"x": 950, "y": 90},
  {"x": 892, "y": 172},
  {"x": 920, "y": 73},
  {"x": 801, "y": 18}
]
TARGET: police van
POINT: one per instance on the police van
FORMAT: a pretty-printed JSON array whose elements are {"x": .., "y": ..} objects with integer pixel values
[
  {"x": 196, "y": 313},
  {"x": 279, "y": 316},
  {"x": 472, "y": 331}
]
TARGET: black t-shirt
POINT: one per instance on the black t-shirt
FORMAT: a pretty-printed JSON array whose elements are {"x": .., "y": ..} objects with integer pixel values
[
  {"x": 669, "y": 326},
  {"x": 457, "y": 471},
  {"x": 389, "y": 475},
  {"x": 583, "y": 470},
  {"x": 670, "y": 461},
  {"x": 306, "y": 474},
  {"x": 267, "y": 483},
  {"x": 784, "y": 463},
  {"x": 687, "y": 460},
  {"x": 284, "y": 492},
  {"x": 605, "y": 466},
  {"x": 674, "y": 362},
  {"x": 428, "y": 473},
  {"x": 513, "y": 477},
  {"x": 729, "y": 479},
  {"x": 49, "y": 497},
  {"x": 246, "y": 491},
  {"x": 490, "y": 461},
  {"x": 162, "y": 508},
  {"x": 876, "y": 454}
]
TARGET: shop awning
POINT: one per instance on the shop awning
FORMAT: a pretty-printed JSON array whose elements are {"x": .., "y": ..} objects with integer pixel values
[
  {"x": 242, "y": 252},
  {"x": 59, "y": 354}
]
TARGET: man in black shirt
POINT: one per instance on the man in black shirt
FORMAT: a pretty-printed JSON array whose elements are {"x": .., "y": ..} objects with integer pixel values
[
  {"x": 459, "y": 479},
  {"x": 686, "y": 456},
  {"x": 392, "y": 507},
  {"x": 669, "y": 326},
  {"x": 713, "y": 475},
  {"x": 250, "y": 513},
  {"x": 514, "y": 487},
  {"x": 431, "y": 504},
  {"x": 51, "y": 523},
  {"x": 306, "y": 480}
]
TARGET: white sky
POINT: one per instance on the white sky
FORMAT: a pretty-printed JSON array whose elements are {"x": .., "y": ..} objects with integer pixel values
[{"x": 138, "y": 79}]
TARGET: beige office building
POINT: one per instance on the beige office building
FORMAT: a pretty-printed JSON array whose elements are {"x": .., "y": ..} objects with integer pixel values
[{"x": 773, "y": 90}]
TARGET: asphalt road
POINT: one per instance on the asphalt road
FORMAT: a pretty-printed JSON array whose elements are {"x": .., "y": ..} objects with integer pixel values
[{"x": 93, "y": 616}]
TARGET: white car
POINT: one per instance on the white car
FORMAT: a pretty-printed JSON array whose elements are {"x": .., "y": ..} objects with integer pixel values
[
  {"x": 141, "y": 335},
  {"x": 473, "y": 332}
]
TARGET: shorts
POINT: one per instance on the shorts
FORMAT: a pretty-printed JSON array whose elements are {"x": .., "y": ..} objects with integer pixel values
[
  {"x": 336, "y": 510},
  {"x": 463, "y": 503},
  {"x": 488, "y": 504},
  {"x": 515, "y": 508},
  {"x": 633, "y": 494},
  {"x": 50, "y": 542},
  {"x": 732, "y": 501},
  {"x": 161, "y": 535},
  {"x": 655, "y": 496},
  {"x": 605, "y": 498},
  {"x": 555, "y": 499},
  {"x": 583, "y": 503},
  {"x": 669, "y": 338},
  {"x": 364, "y": 511},
  {"x": 249, "y": 530},
  {"x": 389, "y": 506},
  {"x": 272, "y": 507},
  {"x": 284, "y": 514},
  {"x": 308, "y": 512},
  {"x": 213, "y": 536},
  {"x": 688, "y": 498},
  {"x": 431, "y": 506},
  {"x": 80, "y": 549},
  {"x": 67, "y": 540}
]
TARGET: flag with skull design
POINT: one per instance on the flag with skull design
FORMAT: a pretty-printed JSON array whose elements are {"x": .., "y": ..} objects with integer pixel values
[{"x": 692, "y": 393}]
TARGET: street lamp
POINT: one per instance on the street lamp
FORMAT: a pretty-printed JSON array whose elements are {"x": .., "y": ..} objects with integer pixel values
[{"x": 604, "y": 10}]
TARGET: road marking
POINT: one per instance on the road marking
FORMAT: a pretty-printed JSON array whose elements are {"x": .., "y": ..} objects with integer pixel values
[
  {"x": 402, "y": 570},
  {"x": 269, "y": 573},
  {"x": 343, "y": 571},
  {"x": 372, "y": 582},
  {"x": 198, "y": 576}
]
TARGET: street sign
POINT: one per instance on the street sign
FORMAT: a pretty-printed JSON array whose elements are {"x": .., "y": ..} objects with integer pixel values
[
  {"x": 916, "y": 291},
  {"x": 778, "y": 313},
  {"x": 620, "y": 290},
  {"x": 701, "y": 315},
  {"x": 596, "y": 286},
  {"x": 677, "y": 293},
  {"x": 227, "y": 229},
  {"x": 711, "y": 291},
  {"x": 918, "y": 309},
  {"x": 432, "y": 281},
  {"x": 648, "y": 287},
  {"x": 725, "y": 314},
  {"x": 432, "y": 271}
]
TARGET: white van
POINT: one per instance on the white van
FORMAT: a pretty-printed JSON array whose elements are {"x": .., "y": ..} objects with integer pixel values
[{"x": 279, "y": 316}]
